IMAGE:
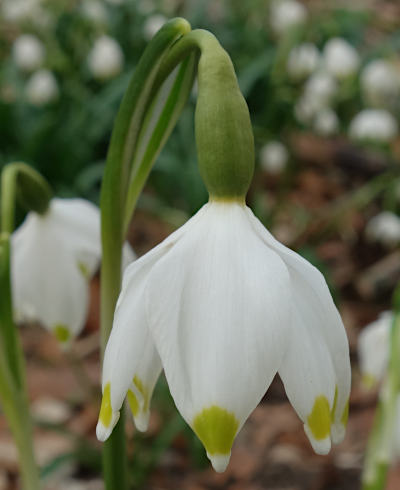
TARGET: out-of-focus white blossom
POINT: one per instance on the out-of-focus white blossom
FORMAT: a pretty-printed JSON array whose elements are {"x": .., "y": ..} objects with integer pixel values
[
  {"x": 384, "y": 228},
  {"x": 274, "y": 157},
  {"x": 326, "y": 122},
  {"x": 340, "y": 58},
  {"x": 106, "y": 58},
  {"x": 152, "y": 25},
  {"x": 303, "y": 60},
  {"x": 373, "y": 349},
  {"x": 285, "y": 14},
  {"x": 41, "y": 88},
  {"x": 374, "y": 125},
  {"x": 94, "y": 10},
  {"x": 19, "y": 10},
  {"x": 380, "y": 82},
  {"x": 28, "y": 52},
  {"x": 321, "y": 86},
  {"x": 115, "y": 2},
  {"x": 145, "y": 7}
]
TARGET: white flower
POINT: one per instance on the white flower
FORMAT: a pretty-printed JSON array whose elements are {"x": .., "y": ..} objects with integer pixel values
[
  {"x": 28, "y": 52},
  {"x": 222, "y": 306},
  {"x": 18, "y": 10},
  {"x": 41, "y": 88},
  {"x": 326, "y": 122},
  {"x": 52, "y": 260},
  {"x": 106, "y": 58},
  {"x": 380, "y": 82},
  {"x": 384, "y": 228},
  {"x": 152, "y": 25},
  {"x": 303, "y": 60},
  {"x": 340, "y": 58},
  {"x": 373, "y": 349},
  {"x": 274, "y": 157},
  {"x": 322, "y": 87},
  {"x": 374, "y": 125},
  {"x": 285, "y": 14},
  {"x": 94, "y": 11}
]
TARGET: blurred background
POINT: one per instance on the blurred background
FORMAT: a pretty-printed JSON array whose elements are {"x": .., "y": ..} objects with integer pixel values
[{"x": 322, "y": 81}]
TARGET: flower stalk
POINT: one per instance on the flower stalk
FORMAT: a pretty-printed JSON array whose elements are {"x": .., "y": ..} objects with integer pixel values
[
  {"x": 22, "y": 183},
  {"x": 380, "y": 444}
]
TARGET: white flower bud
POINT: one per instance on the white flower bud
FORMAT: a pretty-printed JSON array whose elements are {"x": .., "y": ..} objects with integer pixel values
[
  {"x": 274, "y": 157},
  {"x": 106, "y": 58},
  {"x": 303, "y": 60},
  {"x": 321, "y": 86},
  {"x": 41, "y": 88},
  {"x": 374, "y": 125},
  {"x": 94, "y": 11},
  {"x": 152, "y": 25},
  {"x": 384, "y": 228},
  {"x": 28, "y": 52},
  {"x": 326, "y": 122},
  {"x": 286, "y": 14},
  {"x": 373, "y": 349},
  {"x": 380, "y": 82},
  {"x": 340, "y": 58},
  {"x": 18, "y": 10}
]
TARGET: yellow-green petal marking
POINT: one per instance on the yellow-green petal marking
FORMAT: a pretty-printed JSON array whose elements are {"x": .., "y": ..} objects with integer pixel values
[
  {"x": 132, "y": 399},
  {"x": 319, "y": 420},
  {"x": 216, "y": 428},
  {"x": 61, "y": 333},
  {"x": 105, "y": 415}
]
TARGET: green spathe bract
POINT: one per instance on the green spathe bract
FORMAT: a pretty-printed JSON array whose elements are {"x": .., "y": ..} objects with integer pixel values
[{"x": 224, "y": 137}]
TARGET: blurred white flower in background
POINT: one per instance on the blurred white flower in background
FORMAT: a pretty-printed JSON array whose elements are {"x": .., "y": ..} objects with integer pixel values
[
  {"x": 41, "y": 88},
  {"x": 373, "y": 349},
  {"x": 145, "y": 7},
  {"x": 340, "y": 58},
  {"x": 326, "y": 122},
  {"x": 384, "y": 228},
  {"x": 374, "y": 125},
  {"x": 106, "y": 58},
  {"x": 28, "y": 52},
  {"x": 303, "y": 60},
  {"x": 94, "y": 11},
  {"x": 152, "y": 25},
  {"x": 380, "y": 82},
  {"x": 115, "y": 2},
  {"x": 321, "y": 86},
  {"x": 274, "y": 157},
  {"x": 285, "y": 14},
  {"x": 18, "y": 10}
]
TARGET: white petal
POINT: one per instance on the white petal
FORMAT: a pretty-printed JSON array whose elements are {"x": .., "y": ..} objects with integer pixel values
[
  {"x": 47, "y": 286},
  {"x": 217, "y": 306},
  {"x": 322, "y": 317},
  {"x": 130, "y": 350}
]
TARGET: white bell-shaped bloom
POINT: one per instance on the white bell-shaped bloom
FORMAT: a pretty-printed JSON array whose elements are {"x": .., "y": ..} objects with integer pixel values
[
  {"x": 340, "y": 58},
  {"x": 41, "y": 88},
  {"x": 52, "y": 260},
  {"x": 302, "y": 61},
  {"x": 373, "y": 349},
  {"x": 326, "y": 122},
  {"x": 222, "y": 307},
  {"x": 152, "y": 25},
  {"x": 319, "y": 91},
  {"x": 376, "y": 125},
  {"x": 274, "y": 157},
  {"x": 384, "y": 228},
  {"x": 28, "y": 52},
  {"x": 95, "y": 11},
  {"x": 106, "y": 58},
  {"x": 285, "y": 14},
  {"x": 380, "y": 82}
]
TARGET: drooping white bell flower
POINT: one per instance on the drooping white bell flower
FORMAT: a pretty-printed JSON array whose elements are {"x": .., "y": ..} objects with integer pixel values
[
  {"x": 222, "y": 306},
  {"x": 95, "y": 11},
  {"x": 376, "y": 125},
  {"x": 340, "y": 58},
  {"x": 274, "y": 157},
  {"x": 302, "y": 61},
  {"x": 41, "y": 88},
  {"x": 285, "y": 14},
  {"x": 326, "y": 122},
  {"x": 106, "y": 58},
  {"x": 380, "y": 82},
  {"x": 152, "y": 25},
  {"x": 384, "y": 228},
  {"x": 373, "y": 349},
  {"x": 28, "y": 52},
  {"x": 319, "y": 91},
  {"x": 53, "y": 258}
]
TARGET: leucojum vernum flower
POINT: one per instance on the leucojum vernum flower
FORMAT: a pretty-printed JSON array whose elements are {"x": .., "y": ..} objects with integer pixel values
[
  {"x": 221, "y": 306},
  {"x": 53, "y": 258}
]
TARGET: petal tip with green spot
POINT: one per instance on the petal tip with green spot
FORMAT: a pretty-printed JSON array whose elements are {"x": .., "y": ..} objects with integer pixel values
[{"x": 219, "y": 461}]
